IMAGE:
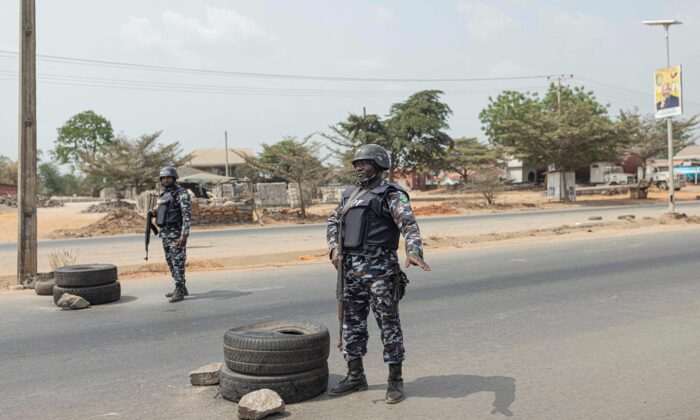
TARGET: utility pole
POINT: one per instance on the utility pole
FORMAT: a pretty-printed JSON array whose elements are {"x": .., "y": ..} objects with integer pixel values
[
  {"x": 226, "y": 153},
  {"x": 559, "y": 79},
  {"x": 669, "y": 125},
  {"x": 26, "y": 198}
]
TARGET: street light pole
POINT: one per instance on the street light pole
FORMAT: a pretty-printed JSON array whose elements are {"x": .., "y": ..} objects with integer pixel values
[{"x": 669, "y": 125}]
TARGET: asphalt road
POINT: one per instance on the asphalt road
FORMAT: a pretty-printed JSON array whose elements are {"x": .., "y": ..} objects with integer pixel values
[
  {"x": 251, "y": 242},
  {"x": 602, "y": 328}
]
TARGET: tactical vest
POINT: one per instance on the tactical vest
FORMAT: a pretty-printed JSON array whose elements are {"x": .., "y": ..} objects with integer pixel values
[
  {"x": 169, "y": 211},
  {"x": 365, "y": 224}
]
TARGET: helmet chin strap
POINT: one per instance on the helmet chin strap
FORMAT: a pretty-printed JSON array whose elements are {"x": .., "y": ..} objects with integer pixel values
[{"x": 369, "y": 180}]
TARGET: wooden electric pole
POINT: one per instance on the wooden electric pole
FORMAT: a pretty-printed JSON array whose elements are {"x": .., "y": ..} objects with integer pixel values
[
  {"x": 226, "y": 150},
  {"x": 26, "y": 197},
  {"x": 559, "y": 79}
]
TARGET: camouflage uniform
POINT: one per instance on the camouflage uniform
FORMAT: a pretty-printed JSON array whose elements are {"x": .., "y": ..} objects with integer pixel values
[
  {"x": 175, "y": 256},
  {"x": 368, "y": 282}
]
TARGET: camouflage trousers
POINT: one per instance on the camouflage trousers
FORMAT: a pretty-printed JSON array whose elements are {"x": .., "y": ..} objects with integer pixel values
[
  {"x": 368, "y": 284},
  {"x": 175, "y": 256}
]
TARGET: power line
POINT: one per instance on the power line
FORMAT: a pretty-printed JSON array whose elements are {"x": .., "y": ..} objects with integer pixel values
[
  {"x": 70, "y": 80},
  {"x": 187, "y": 70}
]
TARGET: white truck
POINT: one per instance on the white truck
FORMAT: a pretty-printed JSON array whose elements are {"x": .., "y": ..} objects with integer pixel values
[
  {"x": 603, "y": 173},
  {"x": 659, "y": 176}
]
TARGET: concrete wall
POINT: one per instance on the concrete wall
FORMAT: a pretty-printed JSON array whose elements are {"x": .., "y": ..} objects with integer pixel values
[{"x": 271, "y": 194}]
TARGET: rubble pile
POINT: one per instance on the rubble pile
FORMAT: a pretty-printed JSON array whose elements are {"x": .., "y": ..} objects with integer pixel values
[
  {"x": 10, "y": 200},
  {"x": 207, "y": 212},
  {"x": 285, "y": 214},
  {"x": 116, "y": 222},
  {"x": 107, "y": 206}
]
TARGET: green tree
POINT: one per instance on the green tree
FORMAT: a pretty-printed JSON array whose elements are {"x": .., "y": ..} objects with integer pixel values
[
  {"x": 535, "y": 130},
  {"x": 347, "y": 136},
  {"x": 647, "y": 138},
  {"x": 50, "y": 179},
  {"x": 413, "y": 133},
  {"x": 294, "y": 161},
  {"x": 8, "y": 171},
  {"x": 84, "y": 134},
  {"x": 416, "y": 131},
  {"x": 467, "y": 155},
  {"x": 132, "y": 162}
]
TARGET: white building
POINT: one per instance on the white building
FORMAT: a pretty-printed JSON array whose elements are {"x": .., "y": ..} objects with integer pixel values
[{"x": 516, "y": 171}]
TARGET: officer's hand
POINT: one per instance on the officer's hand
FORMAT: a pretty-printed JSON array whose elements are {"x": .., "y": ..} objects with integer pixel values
[
  {"x": 182, "y": 242},
  {"x": 334, "y": 258},
  {"x": 415, "y": 259}
]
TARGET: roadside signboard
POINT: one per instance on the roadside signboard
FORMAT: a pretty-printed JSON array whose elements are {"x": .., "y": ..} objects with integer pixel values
[{"x": 667, "y": 92}]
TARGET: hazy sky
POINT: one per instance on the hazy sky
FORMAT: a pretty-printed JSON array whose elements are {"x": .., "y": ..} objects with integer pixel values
[{"x": 602, "y": 43}]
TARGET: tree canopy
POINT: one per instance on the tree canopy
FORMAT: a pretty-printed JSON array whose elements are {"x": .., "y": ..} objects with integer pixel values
[
  {"x": 413, "y": 133},
  {"x": 537, "y": 131},
  {"x": 647, "y": 138},
  {"x": 294, "y": 161},
  {"x": 84, "y": 134},
  {"x": 133, "y": 162},
  {"x": 468, "y": 154}
]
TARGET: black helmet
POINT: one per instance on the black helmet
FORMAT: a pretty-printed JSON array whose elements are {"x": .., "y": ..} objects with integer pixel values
[
  {"x": 168, "y": 171},
  {"x": 375, "y": 153}
]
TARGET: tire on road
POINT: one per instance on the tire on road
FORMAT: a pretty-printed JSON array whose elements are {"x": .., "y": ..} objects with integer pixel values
[
  {"x": 95, "y": 295},
  {"x": 85, "y": 275},
  {"x": 276, "y": 348},
  {"x": 293, "y": 388},
  {"x": 44, "y": 287}
]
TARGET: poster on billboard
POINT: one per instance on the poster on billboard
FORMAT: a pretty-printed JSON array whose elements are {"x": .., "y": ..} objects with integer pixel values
[{"x": 667, "y": 92}]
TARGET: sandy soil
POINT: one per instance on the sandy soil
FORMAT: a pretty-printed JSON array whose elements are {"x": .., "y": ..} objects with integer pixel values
[
  {"x": 432, "y": 203},
  {"x": 48, "y": 219}
]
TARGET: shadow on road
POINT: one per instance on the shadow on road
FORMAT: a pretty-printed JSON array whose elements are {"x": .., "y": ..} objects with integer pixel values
[
  {"x": 458, "y": 386},
  {"x": 218, "y": 294}
]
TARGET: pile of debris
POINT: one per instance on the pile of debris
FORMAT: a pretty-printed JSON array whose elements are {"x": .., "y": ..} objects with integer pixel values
[
  {"x": 285, "y": 214},
  {"x": 108, "y": 206},
  {"x": 10, "y": 200},
  {"x": 116, "y": 222}
]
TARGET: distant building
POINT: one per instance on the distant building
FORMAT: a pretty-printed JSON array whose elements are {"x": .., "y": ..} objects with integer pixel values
[
  {"x": 214, "y": 160},
  {"x": 414, "y": 180},
  {"x": 517, "y": 171},
  {"x": 8, "y": 189},
  {"x": 690, "y": 153}
]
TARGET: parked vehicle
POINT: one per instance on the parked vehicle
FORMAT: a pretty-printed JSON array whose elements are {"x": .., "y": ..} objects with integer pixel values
[
  {"x": 659, "y": 176},
  {"x": 603, "y": 173}
]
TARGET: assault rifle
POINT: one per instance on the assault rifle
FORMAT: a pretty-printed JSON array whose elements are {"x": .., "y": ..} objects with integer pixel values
[{"x": 150, "y": 203}]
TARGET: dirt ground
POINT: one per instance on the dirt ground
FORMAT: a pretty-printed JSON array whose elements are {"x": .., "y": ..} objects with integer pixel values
[
  {"x": 49, "y": 219},
  {"x": 53, "y": 221}
]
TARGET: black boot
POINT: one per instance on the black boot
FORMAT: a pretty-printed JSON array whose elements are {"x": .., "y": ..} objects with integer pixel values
[
  {"x": 394, "y": 392},
  {"x": 178, "y": 294},
  {"x": 355, "y": 381},
  {"x": 171, "y": 294}
]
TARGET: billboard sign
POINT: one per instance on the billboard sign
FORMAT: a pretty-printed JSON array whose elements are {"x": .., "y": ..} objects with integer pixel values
[{"x": 667, "y": 92}]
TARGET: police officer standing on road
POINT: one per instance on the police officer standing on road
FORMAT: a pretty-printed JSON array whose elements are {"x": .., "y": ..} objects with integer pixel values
[
  {"x": 173, "y": 218},
  {"x": 363, "y": 236}
]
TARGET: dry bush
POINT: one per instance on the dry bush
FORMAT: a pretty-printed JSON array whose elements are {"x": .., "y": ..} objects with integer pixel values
[{"x": 63, "y": 257}]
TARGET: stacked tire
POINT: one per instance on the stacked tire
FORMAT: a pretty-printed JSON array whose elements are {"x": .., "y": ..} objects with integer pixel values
[
  {"x": 96, "y": 283},
  {"x": 290, "y": 358}
]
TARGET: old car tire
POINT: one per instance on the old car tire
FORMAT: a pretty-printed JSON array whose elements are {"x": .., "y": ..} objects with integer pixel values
[
  {"x": 44, "y": 287},
  {"x": 95, "y": 295},
  {"x": 276, "y": 348},
  {"x": 85, "y": 275},
  {"x": 293, "y": 388}
]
